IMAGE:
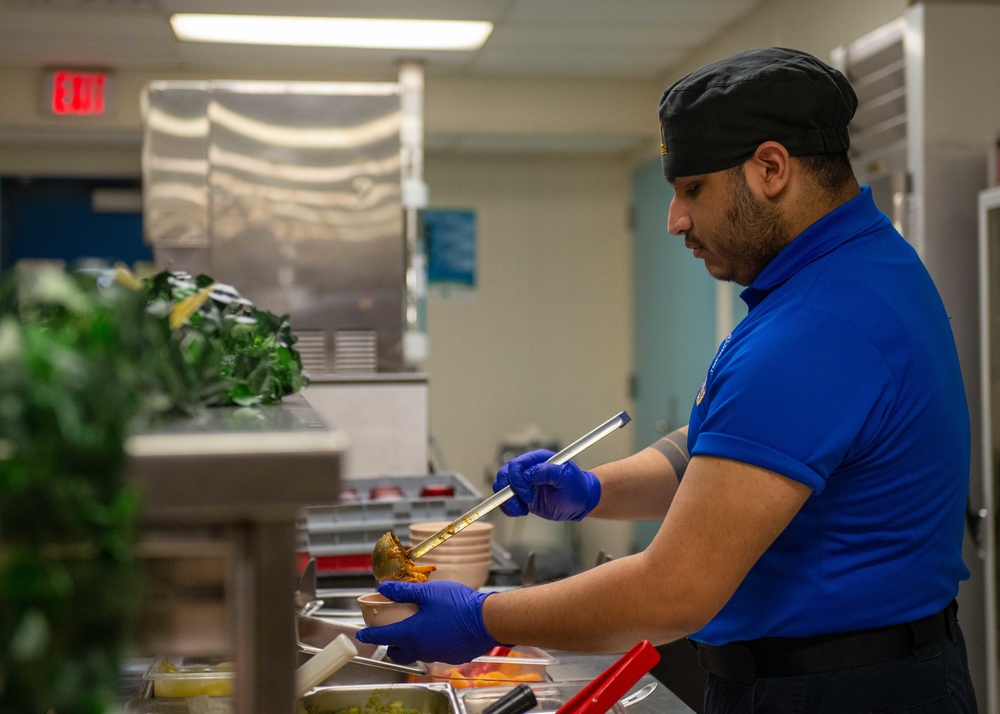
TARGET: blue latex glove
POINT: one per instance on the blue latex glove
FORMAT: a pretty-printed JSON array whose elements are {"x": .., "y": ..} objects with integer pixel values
[
  {"x": 447, "y": 628},
  {"x": 556, "y": 492}
]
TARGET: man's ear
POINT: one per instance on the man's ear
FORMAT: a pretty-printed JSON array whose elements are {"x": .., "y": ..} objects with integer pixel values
[{"x": 769, "y": 169}]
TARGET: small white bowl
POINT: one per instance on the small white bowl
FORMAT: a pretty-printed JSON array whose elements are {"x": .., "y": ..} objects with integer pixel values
[
  {"x": 433, "y": 558},
  {"x": 451, "y": 548},
  {"x": 484, "y": 545},
  {"x": 378, "y": 610},
  {"x": 474, "y": 575},
  {"x": 428, "y": 528}
]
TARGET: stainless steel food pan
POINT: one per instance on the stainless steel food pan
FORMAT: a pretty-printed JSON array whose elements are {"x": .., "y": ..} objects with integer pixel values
[{"x": 425, "y": 698}]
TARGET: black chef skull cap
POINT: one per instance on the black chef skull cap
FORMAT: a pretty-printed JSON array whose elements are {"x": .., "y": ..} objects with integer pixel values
[{"x": 715, "y": 117}]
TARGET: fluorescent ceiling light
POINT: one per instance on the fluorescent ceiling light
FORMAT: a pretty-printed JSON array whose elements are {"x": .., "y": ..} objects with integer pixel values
[{"x": 332, "y": 31}]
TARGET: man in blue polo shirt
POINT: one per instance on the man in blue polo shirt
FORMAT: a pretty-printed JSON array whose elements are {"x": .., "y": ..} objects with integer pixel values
[{"x": 812, "y": 549}]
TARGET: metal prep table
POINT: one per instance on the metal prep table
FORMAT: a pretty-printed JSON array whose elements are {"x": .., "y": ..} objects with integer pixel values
[
  {"x": 585, "y": 667},
  {"x": 220, "y": 494}
]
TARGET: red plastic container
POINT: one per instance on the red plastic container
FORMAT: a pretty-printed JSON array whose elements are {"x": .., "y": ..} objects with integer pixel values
[{"x": 434, "y": 490}]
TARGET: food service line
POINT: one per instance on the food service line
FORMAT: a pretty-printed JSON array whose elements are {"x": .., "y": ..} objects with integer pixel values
[
  {"x": 579, "y": 676},
  {"x": 569, "y": 670}
]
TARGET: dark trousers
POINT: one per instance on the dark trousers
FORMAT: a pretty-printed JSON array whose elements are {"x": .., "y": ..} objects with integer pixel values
[{"x": 934, "y": 680}]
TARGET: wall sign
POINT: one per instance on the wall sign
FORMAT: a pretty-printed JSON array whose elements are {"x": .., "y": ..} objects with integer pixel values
[
  {"x": 450, "y": 243},
  {"x": 74, "y": 93}
]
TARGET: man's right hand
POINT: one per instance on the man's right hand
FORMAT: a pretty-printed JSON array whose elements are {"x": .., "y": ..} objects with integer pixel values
[{"x": 557, "y": 492}]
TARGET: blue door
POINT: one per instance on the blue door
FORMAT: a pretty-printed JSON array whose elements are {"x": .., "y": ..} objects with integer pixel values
[
  {"x": 55, "y": 219},
  {"x": 674, "y": 323}
]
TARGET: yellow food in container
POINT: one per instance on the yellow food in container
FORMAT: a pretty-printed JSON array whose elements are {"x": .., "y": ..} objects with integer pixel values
[{"x": 182, "y": 678}]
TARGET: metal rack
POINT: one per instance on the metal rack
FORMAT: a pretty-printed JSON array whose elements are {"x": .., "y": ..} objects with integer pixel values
[
  {"x": 918, "y": 140},
  {"x": 989, "y": 322},
  {"x": 220, "y": 494}
]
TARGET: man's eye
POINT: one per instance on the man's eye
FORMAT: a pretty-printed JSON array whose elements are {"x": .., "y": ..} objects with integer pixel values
[{"x": 692, "y": 190}]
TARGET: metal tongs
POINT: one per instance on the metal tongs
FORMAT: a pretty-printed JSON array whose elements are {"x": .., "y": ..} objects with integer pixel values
[
  {"x": 390, "y": 560},
  {"x": 608, "y": 687}
]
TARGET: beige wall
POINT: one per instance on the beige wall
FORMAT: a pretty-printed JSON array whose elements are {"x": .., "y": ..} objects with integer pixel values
[
  {"x": 604, "y": 116},
  {"x": 546, "y": 338},
  {"x": 815, "y": 26}
]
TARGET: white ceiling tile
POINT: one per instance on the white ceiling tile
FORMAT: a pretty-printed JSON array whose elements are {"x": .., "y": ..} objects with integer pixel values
[
  {"x": 55, "y": 23},
  {"x": 601, "y": 38},
  {"x": 99, "y": 5},
  {"x": 616, "y": 62},
  {"x": 134, "y": 39},
  {"x": 638, "y": 11},
  {"x": 585, "y": 37},
  {"x": 329, "y": 62},
  {"x": 490, "y": 10}
]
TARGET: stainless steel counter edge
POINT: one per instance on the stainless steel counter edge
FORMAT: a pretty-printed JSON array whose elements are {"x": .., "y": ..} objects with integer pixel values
[
  {"x": 242, "y": 444},
  {"x": 220, "y": 477},
  {"x": 573, "y": 667},
  {"x": 369, "y": 378}
]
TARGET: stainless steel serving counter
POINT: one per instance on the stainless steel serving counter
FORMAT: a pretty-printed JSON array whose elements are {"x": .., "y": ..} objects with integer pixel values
[
  {"x": 340, "y": 606},
  {"x": 578, "y": 669},
  {"x": 220, "y": 494}
]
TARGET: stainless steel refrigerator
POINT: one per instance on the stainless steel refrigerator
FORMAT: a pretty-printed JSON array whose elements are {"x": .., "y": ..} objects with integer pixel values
[{"x": 292, "y": 193}]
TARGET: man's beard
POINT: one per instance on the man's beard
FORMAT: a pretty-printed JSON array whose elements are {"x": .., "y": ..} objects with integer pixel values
[{"x": 754, "y": 229}]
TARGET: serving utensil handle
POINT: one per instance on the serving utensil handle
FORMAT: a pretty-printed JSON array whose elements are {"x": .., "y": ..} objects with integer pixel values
[{"x": 474, "y": 514}]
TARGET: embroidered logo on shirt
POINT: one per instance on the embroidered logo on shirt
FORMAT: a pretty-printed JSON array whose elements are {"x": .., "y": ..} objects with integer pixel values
[
  {"x": 711, "y": 370},
  {"x": 722, "y": 348}
]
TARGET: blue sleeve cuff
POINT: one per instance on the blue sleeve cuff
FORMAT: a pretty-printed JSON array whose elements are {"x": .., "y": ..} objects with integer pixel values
[{"x": 737, "y": 449}]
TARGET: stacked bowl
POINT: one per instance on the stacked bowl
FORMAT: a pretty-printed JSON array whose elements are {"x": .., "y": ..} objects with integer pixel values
[{"x": 464, "y": 558}]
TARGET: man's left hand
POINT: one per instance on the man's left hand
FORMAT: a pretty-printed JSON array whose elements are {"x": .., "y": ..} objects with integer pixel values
[{"x": 447, "y": 628}]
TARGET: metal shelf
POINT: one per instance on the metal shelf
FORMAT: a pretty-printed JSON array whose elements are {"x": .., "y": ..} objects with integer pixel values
[{"x": 220, "y": 495}]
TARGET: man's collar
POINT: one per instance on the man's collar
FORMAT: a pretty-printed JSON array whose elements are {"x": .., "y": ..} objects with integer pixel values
[{"x": 829, "y": 232}]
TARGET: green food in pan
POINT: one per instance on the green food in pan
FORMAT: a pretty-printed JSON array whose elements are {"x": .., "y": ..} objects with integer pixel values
[{"x": 374, "y": 706}]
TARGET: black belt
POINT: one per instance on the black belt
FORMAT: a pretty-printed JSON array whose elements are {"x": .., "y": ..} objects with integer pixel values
[{"x": 796, "y": 656}]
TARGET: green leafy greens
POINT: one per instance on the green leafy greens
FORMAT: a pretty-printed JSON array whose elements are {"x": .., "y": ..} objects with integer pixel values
[{"x": 237, "y": 353}]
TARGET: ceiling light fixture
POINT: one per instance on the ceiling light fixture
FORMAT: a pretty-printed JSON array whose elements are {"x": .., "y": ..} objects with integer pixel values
[{"x": 352, "y": 32}]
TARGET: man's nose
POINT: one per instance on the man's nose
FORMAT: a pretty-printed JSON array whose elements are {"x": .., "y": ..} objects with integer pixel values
[{"x": 678, "y": 220}]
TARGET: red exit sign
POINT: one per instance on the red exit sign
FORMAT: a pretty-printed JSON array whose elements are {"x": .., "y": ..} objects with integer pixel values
[{"x": 72, "y": 93}]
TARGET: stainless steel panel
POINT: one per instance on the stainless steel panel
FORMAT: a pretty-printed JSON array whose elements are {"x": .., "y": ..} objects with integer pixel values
[
  {"x": 175, "y": 164},
  {"x": 989, "y": 333},
  {"x": 188, "y": 260},
  {"x": 891, "y": 194},
  {"x": 306, "y": 212},
  {"x": 292, "y": 193},
  {"x": 876, "y": 67}
]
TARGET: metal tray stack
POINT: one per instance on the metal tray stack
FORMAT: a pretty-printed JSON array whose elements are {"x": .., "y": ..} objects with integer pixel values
[{"x": 341, "y": 536}]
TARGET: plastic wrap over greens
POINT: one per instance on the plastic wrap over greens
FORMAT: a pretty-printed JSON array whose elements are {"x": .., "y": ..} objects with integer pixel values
[{"x": 236, "y": 353}]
